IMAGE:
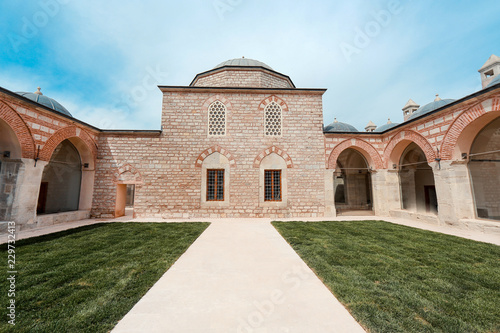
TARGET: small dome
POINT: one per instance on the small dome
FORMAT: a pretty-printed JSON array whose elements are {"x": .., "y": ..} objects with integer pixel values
[
  {"x": 243, "y": 62},
  {"x": 38, "y": 97},
  {"x": 385, "y": 127},
  {"x": 496, "y": 80},
  {"x": 436, "y": 104},
  {"x": 337, "y": 126}
]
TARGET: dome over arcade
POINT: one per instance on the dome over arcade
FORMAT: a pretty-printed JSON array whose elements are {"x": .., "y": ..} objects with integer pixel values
[
  {"x": 39, "y": 98},
  {"x": 427, "y": 108},
  {"x": 337, "y": 126},
  {"x": 386, "y": 126},
  {"x": 243, "y": 62}
]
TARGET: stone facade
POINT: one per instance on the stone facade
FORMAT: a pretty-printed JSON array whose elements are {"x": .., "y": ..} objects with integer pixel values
[
  {"x": 169, "y": 167},
  {"x": 170, "y": 164}
]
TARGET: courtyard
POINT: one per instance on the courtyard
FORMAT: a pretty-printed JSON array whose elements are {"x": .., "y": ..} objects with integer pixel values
[{"x": 241, "y": 275}]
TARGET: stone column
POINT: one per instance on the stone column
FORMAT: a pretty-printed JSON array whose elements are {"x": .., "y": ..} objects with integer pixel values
[
  {"x": 86, "y": 190},
  {"x": 454, "y": 192},
  {"x": 27, "y": 190},
  {"x": 386, "y": 191},
  {"x": 408, "y": 190},
  {"x": 330, "y": 210}
]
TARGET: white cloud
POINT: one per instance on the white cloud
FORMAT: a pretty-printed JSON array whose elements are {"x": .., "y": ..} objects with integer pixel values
[{"x": 95, "y": 56}]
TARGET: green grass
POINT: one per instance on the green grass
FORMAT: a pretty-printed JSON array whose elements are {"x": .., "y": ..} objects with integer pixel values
[
  {"x": 394, "y": 278},
  {"x": 87, "y": 279}
]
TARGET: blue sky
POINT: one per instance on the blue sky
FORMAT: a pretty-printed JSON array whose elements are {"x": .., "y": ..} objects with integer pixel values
[{"x": 103, "y": 59}]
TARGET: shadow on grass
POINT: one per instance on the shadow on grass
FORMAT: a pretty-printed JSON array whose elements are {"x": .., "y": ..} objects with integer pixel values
[{"x": 55, "y": 235}]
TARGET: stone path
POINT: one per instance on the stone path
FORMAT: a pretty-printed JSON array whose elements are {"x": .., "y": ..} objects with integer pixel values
[{"x": 239, "y": 276}]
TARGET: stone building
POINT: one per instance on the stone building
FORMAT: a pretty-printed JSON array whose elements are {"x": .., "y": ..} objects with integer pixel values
[{"x": 242, "y": 141}]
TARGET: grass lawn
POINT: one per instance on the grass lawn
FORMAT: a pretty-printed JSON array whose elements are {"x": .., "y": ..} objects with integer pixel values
[
  {"x": 87, "y": 279},
  {"x": 394, "y": 278}
]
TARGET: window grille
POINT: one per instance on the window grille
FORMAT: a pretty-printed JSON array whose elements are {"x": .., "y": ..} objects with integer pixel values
[
  {"x": 273, "y": 119},
  {"x": 215, "y": 185},
  {"x": 272, "y": 185},
  {"x": 217, "y": 119}
]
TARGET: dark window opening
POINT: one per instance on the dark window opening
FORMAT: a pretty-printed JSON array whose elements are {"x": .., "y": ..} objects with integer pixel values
[
  {"x": 272, "y": 185},
  {"x": 215, "y": 185}
]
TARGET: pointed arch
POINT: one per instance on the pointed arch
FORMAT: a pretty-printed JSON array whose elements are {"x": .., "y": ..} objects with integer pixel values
[
  {"x": 84, "y": 143},
  {"x": 20, "y": 128},
  {"x": 273, "y": 98},
  {"x": 458, "y": 132},
  {"x": 211, "y": 150},
  {"x": 218, "y": 97},
  {"x": 366, "y": 149},
  {"x": 409, "y": 136},
  {"x": 269, "y": 151}
]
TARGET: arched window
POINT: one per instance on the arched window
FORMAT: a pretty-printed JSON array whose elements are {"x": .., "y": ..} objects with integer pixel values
[
  {"x": 273, "y": 181},
  {"x": 217, "y": 119},
  {"x": 215, "y": 177},
  {"x": 484, "y": 168},
  {"x": 272, "y": 116}
]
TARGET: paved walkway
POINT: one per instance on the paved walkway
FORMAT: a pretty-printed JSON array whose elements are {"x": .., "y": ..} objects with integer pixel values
[{"x": 240, "y": 275}]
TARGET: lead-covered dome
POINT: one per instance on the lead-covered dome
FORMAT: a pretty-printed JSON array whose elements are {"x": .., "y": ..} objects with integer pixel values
[
  {"x": 337, "y": 126},
  {"x": 386, "y": 126},
  {"x": 51, "y": 103},
  {"x": 243, "y": 62},
  {"x": 242, "y": 73},
  {"x": 427, "y": 108}
]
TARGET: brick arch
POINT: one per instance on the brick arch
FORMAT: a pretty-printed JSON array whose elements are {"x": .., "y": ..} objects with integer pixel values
[
  {"x": 273, "y": 98},
  {"x": 366, "y": 149},
  {"x": 275, "y": 150},
  {"x": 217, "y": 97},
  {"x": 408, "y": 135},
  {"x": 215, "y": 149},
  {"x": 69, "y": 133},
  {"x": 23, "y": 133},
  {"x": 461, "y": 122},
  {"x": 124, "y": 169}
]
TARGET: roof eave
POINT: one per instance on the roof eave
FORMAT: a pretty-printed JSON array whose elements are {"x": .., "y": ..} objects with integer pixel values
[{"x": 256, "y": 90}]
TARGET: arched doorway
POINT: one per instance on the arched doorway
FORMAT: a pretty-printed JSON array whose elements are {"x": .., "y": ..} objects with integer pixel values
[
  {"x": 10, "y": 165},
  {"x": 352, "y": 183},
  {"x": 484, "y": 168},
  {"x": 418, "y": 190},
  {"x": 61, "y": 181}
]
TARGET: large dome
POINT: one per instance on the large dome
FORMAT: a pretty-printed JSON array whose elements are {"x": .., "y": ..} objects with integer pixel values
[
  {"x": 243, "y": 62},
  {"x": 337, "y": 126},
  {"x": 438, "y": 102},
  {"x": 38, "y": 97}
]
